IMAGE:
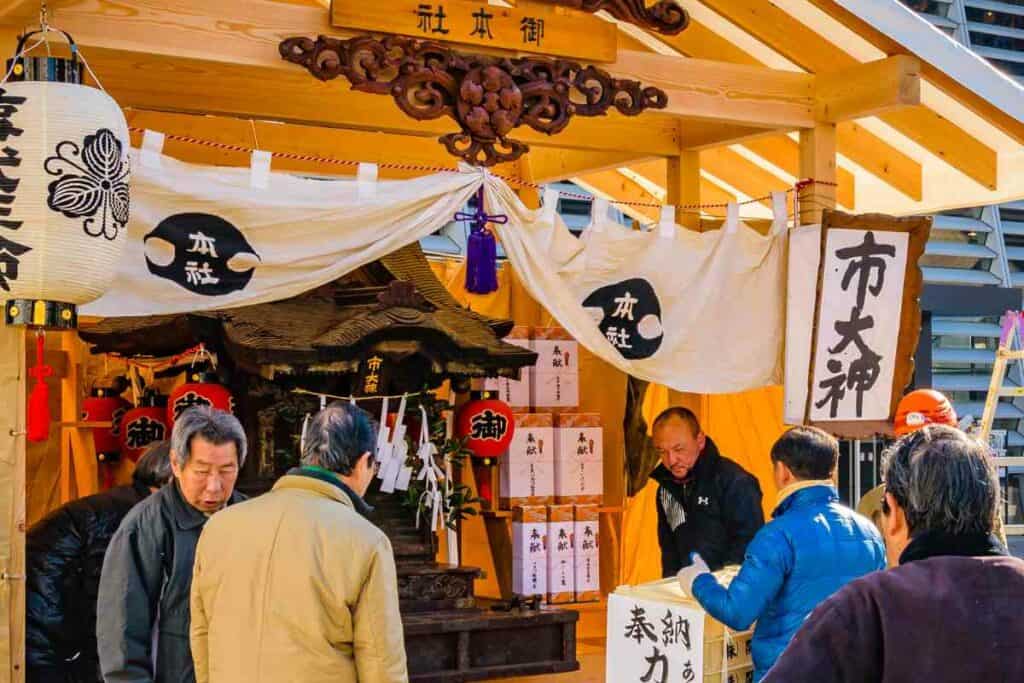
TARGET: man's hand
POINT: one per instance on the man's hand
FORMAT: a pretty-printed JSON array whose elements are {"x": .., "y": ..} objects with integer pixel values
[{"x": 687, "y": 575}]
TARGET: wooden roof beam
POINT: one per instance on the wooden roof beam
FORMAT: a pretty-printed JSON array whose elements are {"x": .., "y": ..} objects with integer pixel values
[
  {"x": 614, "y": 185},
  {"x": 868, "y": 151},
  {"x": 349, "y": 145},
  {"x": 193, "y": 86},
  {"x": 743, "y": 174},
  {"x": 1006, "y": 122},
  {"x": 880, "y": 159},
  {"x": 868, "y": 89},
  {"x": 551, "y": 164},
  {"x": 655, "y": 172},
  {"x": 180, "y": 55},
  {"x": 760, "y": 97},
  {"x": 812, "y": 51},
  {"x": 784, "y": 152}
]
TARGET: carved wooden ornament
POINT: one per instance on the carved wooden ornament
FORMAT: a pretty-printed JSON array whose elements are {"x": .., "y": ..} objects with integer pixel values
[
  {"x": 487, "y": 96},
  {"x": 664, "y": 16}
]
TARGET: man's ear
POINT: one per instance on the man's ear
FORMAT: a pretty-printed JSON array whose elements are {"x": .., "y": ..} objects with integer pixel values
[{"x": 895, "y": 523}]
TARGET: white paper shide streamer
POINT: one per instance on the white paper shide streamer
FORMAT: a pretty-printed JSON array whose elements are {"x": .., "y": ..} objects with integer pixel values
[{"x": 430, "y": 474}]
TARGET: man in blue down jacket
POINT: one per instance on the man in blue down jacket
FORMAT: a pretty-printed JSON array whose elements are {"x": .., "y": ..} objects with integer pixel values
[{"x": 812, "y": 547}]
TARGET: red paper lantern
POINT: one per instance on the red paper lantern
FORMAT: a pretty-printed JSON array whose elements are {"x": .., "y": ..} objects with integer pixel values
[
  {"x": 143, "y": 425},
  {"x": 487, "y": 426},
  {"x": 104, "y": 405},
  {"x": 201, "y": 389}
]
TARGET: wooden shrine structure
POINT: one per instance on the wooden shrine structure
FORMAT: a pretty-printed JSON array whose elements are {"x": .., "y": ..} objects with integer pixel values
[
  {"x": 397, "y": 316},
  {"x": 636, "y": 101}
]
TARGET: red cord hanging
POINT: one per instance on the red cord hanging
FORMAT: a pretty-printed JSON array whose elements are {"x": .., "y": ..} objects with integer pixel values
[{"x": 39, "y": 399}]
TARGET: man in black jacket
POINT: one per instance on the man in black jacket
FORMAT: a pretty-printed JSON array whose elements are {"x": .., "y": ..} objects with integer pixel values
[
  {"x": 143, "y": 616},
  {"x": 64, "y": 556},
  {"x": 707, "y": 504}
]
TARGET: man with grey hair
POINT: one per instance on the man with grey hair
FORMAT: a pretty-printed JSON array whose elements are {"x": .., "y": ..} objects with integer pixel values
[
  {"x": 950, "y": 611},
  {"x": 142, "y": 621},
  {"x": 318, "y": 580}
]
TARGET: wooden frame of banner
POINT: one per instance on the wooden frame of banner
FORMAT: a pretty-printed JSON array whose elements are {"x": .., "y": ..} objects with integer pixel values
[{"x": 918, "y": 227}]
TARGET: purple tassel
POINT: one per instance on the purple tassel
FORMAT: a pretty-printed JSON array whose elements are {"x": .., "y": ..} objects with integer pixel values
[
  {"x": 481, "y": 248},
  {"x": 481, "y": 262}
]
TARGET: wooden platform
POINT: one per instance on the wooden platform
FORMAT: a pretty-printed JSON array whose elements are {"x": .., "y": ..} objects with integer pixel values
[
  {"x": 451, "y": 636},
  {"x": 590, "y": 649}
]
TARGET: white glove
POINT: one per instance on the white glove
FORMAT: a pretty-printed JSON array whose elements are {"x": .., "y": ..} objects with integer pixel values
[{"x": 687, "y": 575}]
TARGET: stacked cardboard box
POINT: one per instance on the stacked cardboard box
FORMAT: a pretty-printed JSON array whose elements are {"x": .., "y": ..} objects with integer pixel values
[
  {"x": 556, "y": 376},
  {"x": 529, "y": 550},
  {"x": 560, "y": 554},
  {"x": 528, "y": 469},
  {"x": 515, "y": 392},
  {"x": 579, "y": 459},
  {"x": 587, "y": 556}
]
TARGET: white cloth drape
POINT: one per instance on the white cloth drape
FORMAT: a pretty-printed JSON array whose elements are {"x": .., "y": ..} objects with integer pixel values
[
  {"x": 300, "y": 233},
  {"x": 721, "y": 294},
  {"x": 694, "y": 311}
]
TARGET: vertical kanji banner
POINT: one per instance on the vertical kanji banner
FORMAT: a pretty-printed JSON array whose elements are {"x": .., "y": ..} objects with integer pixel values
[{"x": 852, "y": 333}]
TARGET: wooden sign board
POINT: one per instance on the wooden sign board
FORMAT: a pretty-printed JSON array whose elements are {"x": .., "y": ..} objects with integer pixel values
[
  {"x": 851, "y": 330},
  {"x": 528, "y": 27}
]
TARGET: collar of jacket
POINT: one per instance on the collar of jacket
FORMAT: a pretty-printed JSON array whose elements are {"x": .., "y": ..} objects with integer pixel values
[
  {"x": 708, "y": 457},
  {"x": 812, "y": 491},
  {"x": 141, "y": 489},
  {"x": 940, "y": 543},
  {"x": 186, "y": 516},
  {"x": 338, "y": 490}
]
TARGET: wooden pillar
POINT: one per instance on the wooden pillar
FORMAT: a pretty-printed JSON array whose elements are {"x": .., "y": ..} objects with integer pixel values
[
  {"x": 683, "y": 184},
  {"x": 12, "y": 504},
  {"x": 79, "y": 468},
  {"x": 817, "y": 162}
]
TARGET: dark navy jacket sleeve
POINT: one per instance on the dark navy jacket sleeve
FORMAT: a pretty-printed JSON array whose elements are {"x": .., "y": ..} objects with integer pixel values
[
  {"x": 768, "y": 561},
  {"x": 670, "y": 561},
  {"x": 53, "y": 550},
  {"x": 743, "y": 516}
]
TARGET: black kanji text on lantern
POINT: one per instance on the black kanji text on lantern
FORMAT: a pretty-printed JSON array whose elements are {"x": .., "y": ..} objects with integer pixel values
[
  {"x": 10, "y": 251},
  {"x": 488, "y": 425},
  {"x": 143, "y": 431}
]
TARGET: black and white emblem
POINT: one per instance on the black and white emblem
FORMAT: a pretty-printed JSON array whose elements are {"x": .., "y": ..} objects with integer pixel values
[
  {"x": 92, "y": 183},
  {"x": 629, "y": 316},
  {"x": 204, "y": 247}
]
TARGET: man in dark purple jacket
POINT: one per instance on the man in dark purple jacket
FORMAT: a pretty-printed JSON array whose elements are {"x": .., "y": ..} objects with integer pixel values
[{"x": 951, "y": 612}]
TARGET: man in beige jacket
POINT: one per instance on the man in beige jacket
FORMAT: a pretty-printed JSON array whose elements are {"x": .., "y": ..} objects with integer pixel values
[{"x": 296, "y": 585}]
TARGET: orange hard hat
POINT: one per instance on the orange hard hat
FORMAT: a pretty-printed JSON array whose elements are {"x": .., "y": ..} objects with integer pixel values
[{"x": 923, "y": 407}]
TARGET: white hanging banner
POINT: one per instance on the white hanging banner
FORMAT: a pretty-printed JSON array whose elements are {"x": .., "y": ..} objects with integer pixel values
[
  {"x": 702, "y": 312},
  {"x": 698, "y": 312},
  {"x": 203, "y": 237}
]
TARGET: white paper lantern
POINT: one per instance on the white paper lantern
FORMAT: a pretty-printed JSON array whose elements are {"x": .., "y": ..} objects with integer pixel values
[{"x": 64, "y": 172}]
